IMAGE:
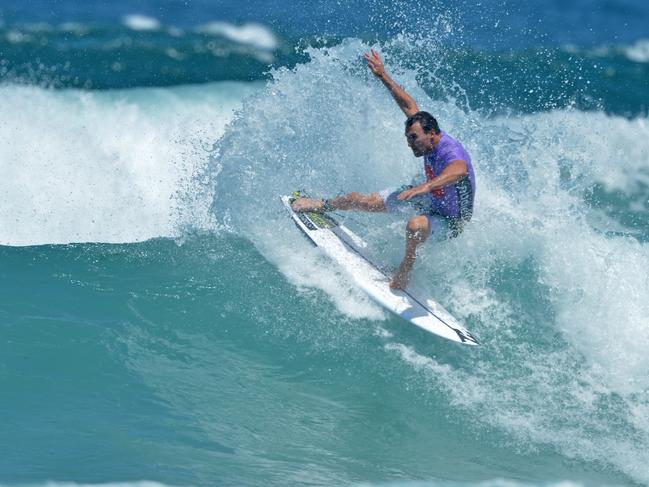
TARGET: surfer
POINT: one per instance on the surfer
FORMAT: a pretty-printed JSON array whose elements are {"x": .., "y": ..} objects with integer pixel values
[{"x": 442, "y": 204}]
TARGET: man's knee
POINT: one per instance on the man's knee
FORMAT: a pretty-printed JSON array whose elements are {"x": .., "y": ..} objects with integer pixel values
[{"x": 418, "y": 227}]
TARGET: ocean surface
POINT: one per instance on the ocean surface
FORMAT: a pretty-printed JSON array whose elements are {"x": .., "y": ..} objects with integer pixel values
[{"x": 162, "y": 323}]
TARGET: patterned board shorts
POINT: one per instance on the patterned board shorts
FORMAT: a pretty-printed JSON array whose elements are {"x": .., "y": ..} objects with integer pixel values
[{"x": 441, "y": 228}]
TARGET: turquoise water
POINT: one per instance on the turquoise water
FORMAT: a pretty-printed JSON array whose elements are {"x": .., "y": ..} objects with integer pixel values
[
  {"x": 163, "y": 323},
  {"x": 142, "y": 361}
]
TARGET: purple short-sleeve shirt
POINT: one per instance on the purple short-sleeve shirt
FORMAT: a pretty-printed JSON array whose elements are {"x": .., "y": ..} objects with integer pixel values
[{"x": 454, "y": 200}]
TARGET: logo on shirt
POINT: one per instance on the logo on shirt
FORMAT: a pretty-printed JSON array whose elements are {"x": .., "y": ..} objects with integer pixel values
[
  {"x": 430, "y": 174},
  {"x": 464, "y": 198}
]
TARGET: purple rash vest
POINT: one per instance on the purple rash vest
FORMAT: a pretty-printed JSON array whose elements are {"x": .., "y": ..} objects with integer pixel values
[{"x": 454, "y": 201}]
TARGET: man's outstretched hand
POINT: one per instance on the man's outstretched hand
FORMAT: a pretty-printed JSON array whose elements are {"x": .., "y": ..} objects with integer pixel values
[
  {"x": 374, "y": 63},
  {"x": 412, "y": 192}
]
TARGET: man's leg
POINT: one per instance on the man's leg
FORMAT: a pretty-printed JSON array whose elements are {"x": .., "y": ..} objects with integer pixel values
[
  {"x": 353, "y": 201},
  {"x": 417, "y": 232}
]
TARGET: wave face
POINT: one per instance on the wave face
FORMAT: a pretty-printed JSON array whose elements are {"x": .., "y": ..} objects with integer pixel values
[{"x": 196, "y": 339}]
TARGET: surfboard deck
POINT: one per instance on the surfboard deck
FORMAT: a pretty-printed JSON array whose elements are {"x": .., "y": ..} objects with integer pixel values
[{"x": 347, "y": 249}]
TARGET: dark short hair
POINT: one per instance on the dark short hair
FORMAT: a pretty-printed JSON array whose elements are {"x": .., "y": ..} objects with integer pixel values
[{"x": 425, "y": 119}]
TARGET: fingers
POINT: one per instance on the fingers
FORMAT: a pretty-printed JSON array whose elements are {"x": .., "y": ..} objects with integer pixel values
[
  {"x": 408, "y": 194},
  {"x": 374, "y": 63},
  {"x": 372, "y": 56},
  {"x": 370, "y": 60}
]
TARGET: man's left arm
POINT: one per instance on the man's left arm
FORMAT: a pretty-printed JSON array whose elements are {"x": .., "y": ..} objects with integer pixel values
[{"x": 454, "y": 172}]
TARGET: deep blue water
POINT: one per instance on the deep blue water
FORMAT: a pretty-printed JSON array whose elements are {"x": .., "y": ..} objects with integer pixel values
[
  {"x": 487, "y": 23},
  {"x": 495, "y": 55}
]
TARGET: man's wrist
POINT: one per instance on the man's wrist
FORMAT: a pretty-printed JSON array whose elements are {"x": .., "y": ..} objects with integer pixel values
[
  {"x": 327, "y": 206},
  {"x": 385, "y": 78}
]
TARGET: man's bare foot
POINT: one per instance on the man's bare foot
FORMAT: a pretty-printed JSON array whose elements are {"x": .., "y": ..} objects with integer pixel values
[
  {"x": 399, "y": 281},
  {"x": 305, "y": 204}
]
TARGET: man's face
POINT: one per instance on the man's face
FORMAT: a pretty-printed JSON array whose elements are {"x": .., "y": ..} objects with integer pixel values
[{"x": 419, "y": 141}]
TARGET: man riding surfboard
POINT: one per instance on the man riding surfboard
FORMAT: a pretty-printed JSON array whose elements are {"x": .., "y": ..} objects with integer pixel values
[{"x": 442, "y": 204}]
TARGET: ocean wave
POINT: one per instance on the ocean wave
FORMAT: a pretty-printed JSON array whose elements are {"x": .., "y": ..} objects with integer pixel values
[
  {"x": 551, "y": 331},
  {"x": 256, "y": 35},
  {"x": 638, "y": 52},
  {"x": 139, "y": 22},
  {"x": 141, "y": 53},
  {"x": 525, "y": 80},
  {"x": 112, "y": 166},
  {"x": 17, "y": 37}
]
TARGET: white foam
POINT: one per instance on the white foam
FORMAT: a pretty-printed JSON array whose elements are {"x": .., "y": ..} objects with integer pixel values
[
  {"x": 638, "y": 52},
  {"x": 298, "y": 267},
  {"x": 141, "y": 22},
  {"x": 106, "y": 166},
  {"x": 593, "y": 285},
  {"x": 17, "y": 37},
  {"x": 252, "y": 34}
]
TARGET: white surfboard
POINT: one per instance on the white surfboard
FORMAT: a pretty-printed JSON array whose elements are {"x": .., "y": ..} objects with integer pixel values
[{"x": 346, "y": 249}]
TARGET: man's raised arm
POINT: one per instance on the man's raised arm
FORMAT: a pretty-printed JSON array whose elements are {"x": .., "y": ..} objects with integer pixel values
[{"x": 403, "y": 99}]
